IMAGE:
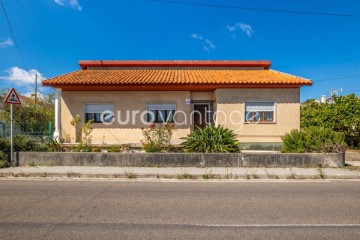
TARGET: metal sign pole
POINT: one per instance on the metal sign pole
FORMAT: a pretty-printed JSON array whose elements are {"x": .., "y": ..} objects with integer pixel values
[
  {"x": 12, "y": 98},
  {"x": 11, "y": 136}
]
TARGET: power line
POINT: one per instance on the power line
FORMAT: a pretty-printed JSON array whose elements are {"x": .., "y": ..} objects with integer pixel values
[
  {"x": 255, "y": 9},
  {"x": 337, "y": 78},
  {"x": 13, "y": 35}
]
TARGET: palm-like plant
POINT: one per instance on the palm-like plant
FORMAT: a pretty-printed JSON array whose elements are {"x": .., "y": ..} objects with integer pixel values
[{"x": 211, "y": 140}]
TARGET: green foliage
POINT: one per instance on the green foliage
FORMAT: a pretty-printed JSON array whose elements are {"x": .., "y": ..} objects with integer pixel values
[
  {"x": 26, "y": 144},
  {"x": 313, "y": 139},
  {"x": 30, "y": 118},
  {"x": 114, "y": 148},
  {"x": 343, "y": 115},
  {"x": 3, "y": 160},
  {"x": 85, "y": 144},
  {"x": 157, "y": 137},
  {"x": 211, "y": 140},
  {"x": 75, "y": 122},
  {"x": 23, "y": 144},
  {"x": 55, "y": 146}
]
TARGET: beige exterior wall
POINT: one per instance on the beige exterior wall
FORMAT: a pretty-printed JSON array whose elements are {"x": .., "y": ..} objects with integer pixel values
[
  {"x": 230, "y": 104},
  {"x": 73, "y": 103},
  {"x": 202, "y": 95},
  {"x": 227, "y": 101}
]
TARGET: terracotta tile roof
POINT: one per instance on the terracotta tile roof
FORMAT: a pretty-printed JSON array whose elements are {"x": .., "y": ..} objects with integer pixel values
[{"x": 150, "y": 77}]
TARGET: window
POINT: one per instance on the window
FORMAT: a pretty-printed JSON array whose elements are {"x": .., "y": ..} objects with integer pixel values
[
  {"x": 161, "y": 112},
  {"x": 262, "y": 112},
  {"x": 94, "y": 111}
]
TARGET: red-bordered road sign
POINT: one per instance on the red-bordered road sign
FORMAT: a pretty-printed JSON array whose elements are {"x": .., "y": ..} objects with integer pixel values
[{"x": 12, "y": 97}]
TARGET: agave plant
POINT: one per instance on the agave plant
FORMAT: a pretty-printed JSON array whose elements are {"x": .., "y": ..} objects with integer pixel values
[{"x": 211, "y": 140}]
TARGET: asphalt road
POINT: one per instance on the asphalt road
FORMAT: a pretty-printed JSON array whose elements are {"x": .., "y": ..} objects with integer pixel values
[{"x": 50, "y": 209}]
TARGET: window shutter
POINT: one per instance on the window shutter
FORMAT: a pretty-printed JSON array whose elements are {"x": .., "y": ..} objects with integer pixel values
[
  {"x": 259, "y": 106},
  {"x": 98, "y": 108},
  {"x": 161, "y": 106}
]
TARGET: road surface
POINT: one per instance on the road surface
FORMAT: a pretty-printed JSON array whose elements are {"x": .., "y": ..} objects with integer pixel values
[{"x": 87, "y": 209}]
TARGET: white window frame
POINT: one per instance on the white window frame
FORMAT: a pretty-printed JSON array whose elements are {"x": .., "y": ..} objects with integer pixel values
[
  {"x": 161, "y": 103},
  {"x": 261, "y": 101},
  {"x": 95, "y": 103}
]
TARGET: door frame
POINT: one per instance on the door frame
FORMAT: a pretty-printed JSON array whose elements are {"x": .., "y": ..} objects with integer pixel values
[{"x": 207, "y": 114}]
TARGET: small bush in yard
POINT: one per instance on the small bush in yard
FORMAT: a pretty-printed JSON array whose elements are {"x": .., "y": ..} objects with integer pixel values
[
  {"x": 3, "y": 160},
  {"x": 157, "y": 137},
  {"x": 211, "y": 140},
  {"x": 313, "y": 139}
]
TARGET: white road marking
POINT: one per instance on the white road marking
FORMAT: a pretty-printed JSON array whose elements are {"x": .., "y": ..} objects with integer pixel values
[{"x": 279, "y": 225}]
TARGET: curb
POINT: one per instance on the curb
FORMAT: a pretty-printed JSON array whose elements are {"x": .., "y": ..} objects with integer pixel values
[{"x": 177, "y": 176}]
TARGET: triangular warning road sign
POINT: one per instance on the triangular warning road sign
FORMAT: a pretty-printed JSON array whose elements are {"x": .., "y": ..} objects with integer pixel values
[{"x": 12, "y": 97}]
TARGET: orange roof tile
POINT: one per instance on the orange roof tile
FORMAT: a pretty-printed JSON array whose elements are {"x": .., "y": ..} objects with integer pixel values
[{"x": 149, "y": 77}]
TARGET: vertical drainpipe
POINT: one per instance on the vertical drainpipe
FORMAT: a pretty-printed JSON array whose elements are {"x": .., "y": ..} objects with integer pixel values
[{"x": 57, "y": 114}]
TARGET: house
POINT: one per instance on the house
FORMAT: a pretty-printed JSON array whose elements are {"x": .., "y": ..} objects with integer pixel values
[{"x": 121, "y": 97}]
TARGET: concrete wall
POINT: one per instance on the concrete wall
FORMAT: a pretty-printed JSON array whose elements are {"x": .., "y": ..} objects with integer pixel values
[
  {"x": 182, "y": 159},
  {"x": 287, "y": 111}
]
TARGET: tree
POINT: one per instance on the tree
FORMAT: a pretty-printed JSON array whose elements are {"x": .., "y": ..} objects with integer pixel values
[{"x": 343, "y": 115}]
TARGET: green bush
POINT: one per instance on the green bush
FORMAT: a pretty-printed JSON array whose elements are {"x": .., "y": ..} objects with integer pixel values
[
  {"x": 23, "y": 144},
  {"x": 313, "y": 139},
  {"x": 114, "y": 148},
  {"x": 4, "y": 144},
  {"x": 211, "y": 140},
  {"x": 3, "y": 160},
  {"x": 26, "y": 144}
]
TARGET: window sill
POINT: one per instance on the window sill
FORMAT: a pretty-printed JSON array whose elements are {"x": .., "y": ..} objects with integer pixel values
[{"x": 256, "y": 123}]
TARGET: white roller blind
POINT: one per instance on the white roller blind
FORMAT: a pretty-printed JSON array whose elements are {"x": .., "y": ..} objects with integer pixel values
[
  {"x": 259, "y": 106},
  {"x": 99, "y": 108},
  {"x": 161, "y": 106}
]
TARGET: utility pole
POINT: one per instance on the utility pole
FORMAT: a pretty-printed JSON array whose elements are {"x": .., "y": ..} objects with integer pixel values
[{"x": 36, "y": 78}]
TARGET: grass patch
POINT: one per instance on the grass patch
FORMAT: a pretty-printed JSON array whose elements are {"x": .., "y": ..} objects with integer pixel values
[
  {"x": 32, "y": 164},
  {"x": 321, "y": 173},
  {"x": 353, "y": 168},
  {"x": 130, "y": 174}
]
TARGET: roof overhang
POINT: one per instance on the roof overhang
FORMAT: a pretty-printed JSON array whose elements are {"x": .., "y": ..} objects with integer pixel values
[{"x": 198, "y": 88}]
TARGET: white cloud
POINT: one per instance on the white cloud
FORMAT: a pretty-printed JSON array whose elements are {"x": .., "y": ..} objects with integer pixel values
[
  {"x": 231, "y": 28},
  {"x": 246, "y": 28},
  {"x": 7, "y": 43},
  {"x": 71, "y": 3},
  {"x": 195, "y": 36},
  {"x": 208, "y": 45},
  {"x": 31, "y": 94},
  {"x": 20, "y": 76}
]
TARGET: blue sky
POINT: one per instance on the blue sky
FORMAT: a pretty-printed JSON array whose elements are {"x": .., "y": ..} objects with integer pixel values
[{"x": 53, "y": 35}]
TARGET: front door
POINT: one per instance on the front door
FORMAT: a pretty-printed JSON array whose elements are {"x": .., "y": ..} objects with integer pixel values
[{"x": 200, "y": 111}]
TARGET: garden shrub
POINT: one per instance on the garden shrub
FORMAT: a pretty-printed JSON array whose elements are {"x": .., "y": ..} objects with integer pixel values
[
  {"x": 114, "y": 148},
  {"x": 23, "y": 144},
  {"x": 211, "y": 140},
  {"x": 3, "y": 160},
  {"x": 157, "y": 137},
  {"x": 313, "y": 139}
]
